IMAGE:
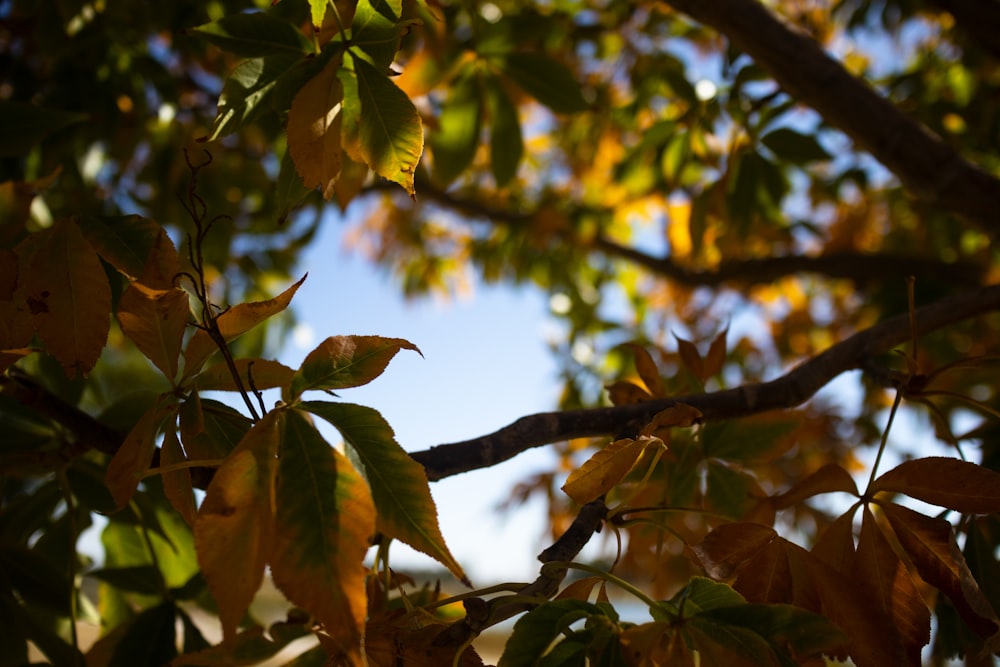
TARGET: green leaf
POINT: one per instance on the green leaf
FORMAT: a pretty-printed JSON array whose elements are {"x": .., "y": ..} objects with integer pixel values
[
  {"x": 784, "y": 626},
  {"x": 290, "y": 190},
  {"x": 248, "y": 90},
  {"x": 399, "y": 484},
  {"x": 325, "y": 520},
  {"x": 210, "y": 429},
  {"x": 506, "y": 142},
  {"x": 535, "y": 631},
  {"x": 392, "y": 137},
  {"x": 144, "y": 579},
  {"x": 255, "y": 35},
  {"x": 548, "y": 81},
  {"x": 702, "y": 594},
  {"x": 749, "y": 439},
  {"x": 376, "y": 29},
  {"x": 341, "y": 362},
  {"x": 730, "y": 492},
  {"x": 22, "y": 126},
  {"x": 317, "y": 12},
  {"x": 787, "y": 144},
  {"x": 150, "y": 639},
  {"x": 455, "y": 143}
]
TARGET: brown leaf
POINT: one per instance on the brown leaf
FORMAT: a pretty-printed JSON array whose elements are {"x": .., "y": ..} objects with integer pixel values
[
  {"x": 606, "y": 468},
  {"x": 314, "y": 127},
  {"x": 388, "y": 644},
  {"x": 69, "y": 298},
  {"x": 655, "y": 644},
  {"x": 626, "y": 393},
  {"x": 831, "y": 478},
  {"x": 155, "y": 320},
  {"x": 879, "y": 570},
  {"x": 235, "y": 523},
  {"x": 177, "y": 484},
  {"x": 767, "y": 576},
  {"x": 135, "y": 455},
  {"x": 835, "y": 545},
  {"x": 931, "y": 546},
  {"x": 647, "y": 369},
  {"x": 716, "y": 356},
  {"x": 679, "y": 415},
  {"x": 691, "y": 357},
  {"x": 958, "y": 485},
  {"x": 728, "y": 547},
  {"x": 257, "y": 373}
]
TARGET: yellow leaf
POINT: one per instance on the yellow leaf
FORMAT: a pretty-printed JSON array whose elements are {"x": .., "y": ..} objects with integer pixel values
[
  {"x": 232, "y": 324},
  {"x": 234, "y": 527},
  {"x": 648, "y": 371},
  {"x": 69, "y": 298},
  {"x": 155, "y": 320},
  {"x": 177, "y": 484},
  {"x": 256, "y": 373},
  {"x": 679, "y": 415},
  {"x": 626, "y": 393},
  {"x": 314, "y": 125},
  {"x": 325, "y": 520},
  {"x": 605, "y": 469},
  {"x": 679, "y": 229}
]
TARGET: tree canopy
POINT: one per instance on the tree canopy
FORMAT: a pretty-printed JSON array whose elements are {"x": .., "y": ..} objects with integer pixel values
[{"x": 731, "y": 204}]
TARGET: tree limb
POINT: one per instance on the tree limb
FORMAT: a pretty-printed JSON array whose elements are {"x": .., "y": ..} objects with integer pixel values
[
  {"x": 929, "y": 168},
  {"x": 787, "y": 391}
]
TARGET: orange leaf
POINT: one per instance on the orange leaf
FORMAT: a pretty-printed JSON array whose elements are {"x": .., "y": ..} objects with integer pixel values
[
  {"x": 647, "y": 369},
  {"x": 69, "y": 298},
  {"x": 177, "y": 484},
  {"x": 947, "y": 482},
  {"x": 930, "y": 544},
  {"x": 767, "y": 576},
  {"x": 233, "y": 323},
  {"x": 831, "y": 478},
  {"x": 234, "y": 527},
  {"x": 726, "y": 548},
  {"x": 679, "y": 415},
  {"x": 155, "y": 320},
  {"x": 257, "y": 373},
  {"x": 135, "y": 455},
  {"x": 602, "y": 471},
  {"x": 325, "y": 520},
  {"x": 314, "y": 126},
  {"x": 879, "y": 570}
]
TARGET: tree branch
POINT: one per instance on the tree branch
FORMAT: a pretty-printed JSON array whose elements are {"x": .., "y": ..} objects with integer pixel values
[
  {"x": 980, "y": 19},
  {"x": 859, "y": 267},
  {"x": 787, "y": 391},
  {"x": 929, "y": 168}
]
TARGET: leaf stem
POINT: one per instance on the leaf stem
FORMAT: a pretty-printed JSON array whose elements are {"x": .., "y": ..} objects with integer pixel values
[
  {"x": 882, "y": 444},
  {"x": 181, "y": 465}
]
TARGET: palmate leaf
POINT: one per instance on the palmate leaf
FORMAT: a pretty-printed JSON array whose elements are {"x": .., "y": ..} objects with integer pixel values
[
  {"x": 341, "y": 362},
  {"x": 390, "y": 131},
  {"x": 232, "y": 324},
  {"x": 235, "y": 523},
  {"x": 69, "y": 297},
  {"x": 314, "y": 129},
  {"x": 535, "y": 631},
  {"x": 606, "y": 468},
  {"x": 325, "y": 519},
  {"x": 398, "y": 484}
]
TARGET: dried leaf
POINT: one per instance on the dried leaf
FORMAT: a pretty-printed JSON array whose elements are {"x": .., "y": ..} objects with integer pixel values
[
  {"x": 831, "y": 478},
  {"x": 235, "y": 524},
  {"x": 679, "y": 415},
  {"x": 726, "y": 548},
  {"x": 325, "y": 519},
  {"x": 155, "y": 321},
  {"x": 135, "y": 455},
  {"x": 716, "y": 356},
  {"x": 947, "y": 482},
  {"x": 177, "y": 484},
  {"x": 314, "y": 128},
  {"x": 69, "y": 298},
  {"x": 647, "y": 369},
  {"x": 626, "y": 393},
  {"x": 690, "y": 357},
  {"x": 255, "y": 373},
  {"x": 606, "y": 468}
]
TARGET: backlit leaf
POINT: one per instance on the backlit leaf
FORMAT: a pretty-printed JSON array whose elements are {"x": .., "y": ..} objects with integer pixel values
[
  {"x": 398, "y": 484},
  {"x": 506, "y": 141},
  {"x": 752, "y": 438},
  {"x": 340, "y": 362},
  {"x": 125, "y": 242},
  {"x": 376, "y": 29},
  {"x": 716, "y": 356},
  {"x": 392, "y": 137},
  {"x": 247, "y": 92},
  {"x": 690, "y": 357},
  {"x": 210, "y": 429},
  {"x": 455, "y": 143},
  {"x": 947, "y": 482},
  {"x": 678, "y": 415},
  {"x": 314, "y": 129},
  {"x": 930, "y": 544},
  {"x": 177, "y": 484},
  {"x": 729, "y": 491},
  {"x": 325, "y": 519},
  {"x": 69, "y": 298},
  {"x": 235, "y": 525},
  {"x": 627, "y": 393},
  {"x": 155, "y": 321},
  {"x": 232, "y": 324},
  {"x": 831, "y": 478},
  {"x": 22, "y": 126},
  {"x": 255, "y": 35},
  {"x": 728, "y": 546},
  {"x": 605, "y": 469},
  {"x": 647, "y": 370},
  {"x": 879, "y": 570},
  {"x": 135, "y": 455},
  {"x": 545, "y": 79},
  {"x": 317, "y": 10},
  {"x": 535, "y": 631}
]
